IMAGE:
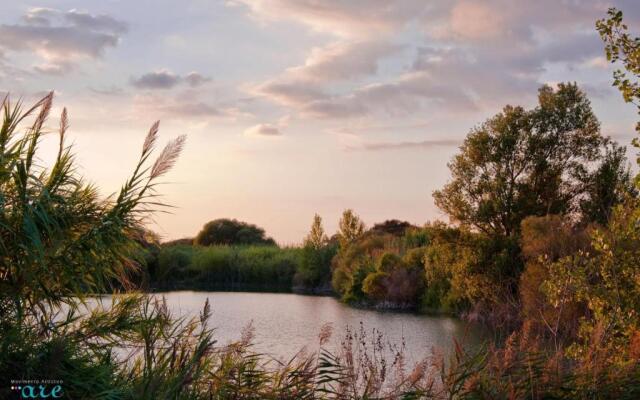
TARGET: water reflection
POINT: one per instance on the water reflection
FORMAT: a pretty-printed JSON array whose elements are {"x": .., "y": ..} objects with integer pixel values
[{"x": 285, "y": 323}]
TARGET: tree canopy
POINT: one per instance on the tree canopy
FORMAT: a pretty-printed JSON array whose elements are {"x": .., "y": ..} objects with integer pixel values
[
  {"x": 534, "y": 162},
  {"x": 225, "y": 231},
  {"x": 392, "y": 226},
  {"x": 351, "y": 228}
]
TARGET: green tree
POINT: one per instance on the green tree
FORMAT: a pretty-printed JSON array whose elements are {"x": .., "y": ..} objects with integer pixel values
[
  {"x": 621, "y": 47},
  {"x": 608, "y": 185},
  {"x": 316, "y": 237},
  {"x": 392, "y": 227},
  {"x": 525, "y": 162},
  {"x": 394, "y": 281},
  {"x": 231, "y": 232},
  {"x": 317, "y": 253},
  {"x": 350, "y": 228}
]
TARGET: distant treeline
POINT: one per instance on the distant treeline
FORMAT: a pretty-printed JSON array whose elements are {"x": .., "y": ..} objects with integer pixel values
[
  {"x": 232, "y": 255},
  {"x": 259, "y": 268}
]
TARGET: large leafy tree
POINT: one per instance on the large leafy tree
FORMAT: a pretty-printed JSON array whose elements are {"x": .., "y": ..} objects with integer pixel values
[
  {"x": 225, "y": 231},
  {"x": 529, "y": 162}
]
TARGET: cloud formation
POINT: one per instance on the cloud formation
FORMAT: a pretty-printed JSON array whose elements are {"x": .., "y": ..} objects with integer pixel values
[
  {"x": 355, "y": 18},
  {"x": 165, "y": 79},
  {"x": 61, "y": 39},
  {"x": 343, "y": 60},
  {"x": 263, "y": 130},
  {"x": 457, "y": 55}
]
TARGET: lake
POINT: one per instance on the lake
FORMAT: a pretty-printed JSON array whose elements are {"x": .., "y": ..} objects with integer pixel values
[{"x": 284, "y": 323}]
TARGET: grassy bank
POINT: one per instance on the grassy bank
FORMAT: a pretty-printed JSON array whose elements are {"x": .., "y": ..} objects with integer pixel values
[{"x": 267, "y": 268}]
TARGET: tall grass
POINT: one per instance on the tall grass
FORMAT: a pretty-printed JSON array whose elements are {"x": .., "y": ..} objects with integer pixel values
[{"x": 227, "y": 267}]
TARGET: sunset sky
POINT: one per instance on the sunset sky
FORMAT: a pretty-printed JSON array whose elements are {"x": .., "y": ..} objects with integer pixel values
[{"x": 296, "y": 107}]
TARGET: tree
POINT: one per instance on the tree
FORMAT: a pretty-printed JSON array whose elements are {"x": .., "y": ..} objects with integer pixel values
[
  {"x": 620, "y": 46},
  {"x": 609, "y": 184},
  {"x": 231, "y": 232},
  {"x": 526, "y": 162},
  {"x": 316, "y": 237},
  {"x": 317, "y": 253},
  {"x": 351, "y": 228},
  {"x": 605, "y": 278},
  {"x": 392, "y": 227}
]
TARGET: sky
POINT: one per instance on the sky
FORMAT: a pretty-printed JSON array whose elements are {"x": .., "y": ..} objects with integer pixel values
[{"x": 297, "y": 107}]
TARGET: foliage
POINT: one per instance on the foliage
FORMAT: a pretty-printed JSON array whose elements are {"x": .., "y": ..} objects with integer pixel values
[
  {"x": 231, "y": 232},
  {"x": 395, "y": 281},
  {"x": 60, "y": 242},
  {"x": 314, "y": 271},
  {"x": 350, "y": 228},
  {"x": 621, "y": 47},
  {"x": 607, "y": 280},
  {"x": 527, "y": 162},
  {"x": 227, "y": 267},
  {"x": 546, "y": 240},
  {"x": 353, "y": 263},
  {"x": 604, "y": 277},
  {"x": 392, "y": 227},
  {"x": 58, "y": 239},
  {"x": 316, "y": 237},
  {"x": 183, "y": 242},
  {"x": 609, "y": 184},
  {"x": 414, "y": 270}
]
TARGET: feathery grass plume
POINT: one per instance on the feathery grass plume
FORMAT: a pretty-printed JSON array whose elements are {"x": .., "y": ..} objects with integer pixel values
[
  {"x": 60, "y": 243},
  {"x": 150, "y": 140},
  {"x": 168, "y": 157}
]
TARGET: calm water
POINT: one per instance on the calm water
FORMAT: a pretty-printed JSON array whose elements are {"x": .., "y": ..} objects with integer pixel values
[{"x": 285, "y": 323}]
